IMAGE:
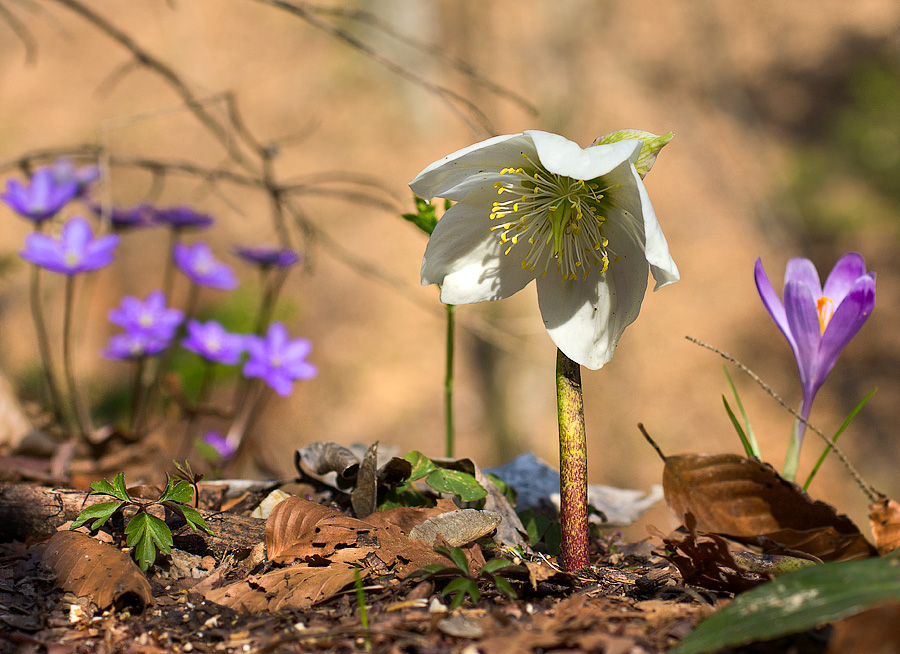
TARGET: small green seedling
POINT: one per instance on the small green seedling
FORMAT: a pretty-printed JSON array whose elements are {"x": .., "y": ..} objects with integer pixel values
[
  {"x": 144, "y": 532},
  {"x": 463, "y": 583}
]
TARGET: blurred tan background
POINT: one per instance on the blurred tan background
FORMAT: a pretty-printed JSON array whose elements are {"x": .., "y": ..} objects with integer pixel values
[{"x": 787, "y": 123}]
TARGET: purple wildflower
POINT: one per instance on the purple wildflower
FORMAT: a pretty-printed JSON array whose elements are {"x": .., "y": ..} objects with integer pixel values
[
  {"x": 74, "y": 252},
  {"x": 182, "y": 218},
  {"x": 818, "y": 322},
  {"x": 42, "y": 198},
  {"x": 140, "y": 215},
  {"x": 150, "y": 318},
  {"x": 277, "y": 360},
  {"x": 198, "y": 263},
  {"x": 64, "y": 171},
  {"x": 134, "y": 344},
  {"x": 220, "y": 444},
  {"x": 213, "y": 343},
  {"x": 266, "y": 256}
]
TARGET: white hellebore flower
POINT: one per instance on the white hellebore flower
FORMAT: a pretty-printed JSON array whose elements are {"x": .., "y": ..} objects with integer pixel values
[{"x": 536, "y": 206}]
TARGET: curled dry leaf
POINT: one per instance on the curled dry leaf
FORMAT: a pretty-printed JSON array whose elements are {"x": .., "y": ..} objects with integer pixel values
[
  {"x": 884, "y": 517},
  {"x": 748, "y": 501},
  {"x": 298, "y": 529},
  {"x": 88, "y": 568},
  {"x": 457, "y": 527},
  {"x": 298, "y": 587}
]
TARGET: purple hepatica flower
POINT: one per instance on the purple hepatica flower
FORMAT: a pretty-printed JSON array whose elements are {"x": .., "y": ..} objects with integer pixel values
[
  {"x": 42, "y": 198},
  {"x": 134, "y": 344},
  {"x": 140, "y": 215},
  {"x": 213, "y": 343},
  {"x": 150, "y": 318},
  {"x": 75, "y": 251},
  {"x": 277, "y": 360},
  {"x": 182, "y": 218},
  {"x": 198, "y": 263},
  {"x": 65, "y": 171},
  {"x": 266, "y": 256},
  {"x": 220, "y": 444}
]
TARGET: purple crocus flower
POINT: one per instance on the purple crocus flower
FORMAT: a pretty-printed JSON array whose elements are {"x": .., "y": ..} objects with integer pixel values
[
  {"x": 182, "y": 218},
  {"x": 75, "y": 251},
  {"x": 213, "y": 342},
  {"x": 198, "y": 263},
  {"x": 278, "y": 360},
  {"x": 220, "y": 444},
  {"x": 150, "y": 318},
  {"x": 266, "y": 256},
  {"x": 134, "y": 344},
  {"x": 818, "y": 322},
  {"x": 42, "y": 198}
]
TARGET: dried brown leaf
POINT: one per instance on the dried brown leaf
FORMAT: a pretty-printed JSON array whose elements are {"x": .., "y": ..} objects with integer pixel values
[
  {"x": 88, "y": 568},
  {"x": 300, "y": 529},
  {"x": 457, "y": 527},
  {"x": 884, "y": 517},
  {"x": 298, "y": 587},
  {"x": 876, "y": 631},
  {"x": 748, "y": 501},
  {"x": 364, "y": 497}
]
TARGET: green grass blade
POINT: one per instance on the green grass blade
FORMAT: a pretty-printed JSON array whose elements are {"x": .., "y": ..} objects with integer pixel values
[
  {"x": 748, "y": 446},
  {"x": 751, "y": 437},
  {"x": 837, "y": 435}
]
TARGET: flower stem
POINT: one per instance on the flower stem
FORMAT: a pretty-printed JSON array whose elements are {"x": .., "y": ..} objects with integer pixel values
[
  {"x": 792, "y": 458},
  {"x": 40, "y": 328},
  {"x": 448, "y": 383},
  {"x": 137, "y": 392},
  {"x": 79, "y": 410},
  {"x": 572, "y": 465}
]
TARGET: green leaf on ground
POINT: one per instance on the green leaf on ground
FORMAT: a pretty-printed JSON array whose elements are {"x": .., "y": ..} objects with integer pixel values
[
  {"x": 456, "y": 482},
  {"x": 797, "y": 601},
  {"x": 99, "y": 513}
]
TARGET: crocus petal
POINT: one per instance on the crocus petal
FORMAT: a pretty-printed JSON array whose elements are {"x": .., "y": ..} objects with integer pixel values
[
  {"x": 803, "y": 318},
  {"x": 466, "y": 258},
  {"x": 586, "y": 320},
  {"x": 843, "y": 276},
  {"x": 772, "y": 303},
  {"x": 803, "y": 271},
  {"x": 564, "y": 157},
  {"x": 847, "y": 320}
]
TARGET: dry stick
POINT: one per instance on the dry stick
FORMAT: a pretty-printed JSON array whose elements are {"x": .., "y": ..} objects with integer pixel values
[
  {"x": 870, "y": 492},
  {"x": 22, "y": 32}
]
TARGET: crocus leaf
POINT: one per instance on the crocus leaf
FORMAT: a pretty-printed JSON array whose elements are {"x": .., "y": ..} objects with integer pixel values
[
  {"x": 748, "y": 448},
  {"x": 797, "y": 601},
  {"x": 459, "y": 483},
  {"x": 751, "y": 437},
  {"x": 99, "y": 513}
]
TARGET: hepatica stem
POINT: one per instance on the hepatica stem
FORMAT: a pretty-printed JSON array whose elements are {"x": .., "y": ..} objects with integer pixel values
[{"x": 448, "y": 384}]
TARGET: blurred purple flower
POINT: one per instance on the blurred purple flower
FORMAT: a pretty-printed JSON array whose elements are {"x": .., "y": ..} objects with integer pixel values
[
  {"x": 277, "y": 360},
  {"x": 74, "y": 252},
  {"x": 817, "y": 322},
  {"x": 64, "y": 171},
  {"x": 140, "y": 215},
  {"x": 266, "y": 256},
  {"x": 182, "y": 218},
  {"x": 134, "y": 344},
  {"x": 42, "y": 198},
  {"x": 198, "y": 263},
  {"x": 150, "y": 318},
  {"x": 220, "y": 444},
  {"x": 213, "y": 342}
]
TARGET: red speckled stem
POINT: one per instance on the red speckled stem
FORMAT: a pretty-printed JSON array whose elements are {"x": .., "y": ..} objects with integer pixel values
[{"x": 572, "y": 465}]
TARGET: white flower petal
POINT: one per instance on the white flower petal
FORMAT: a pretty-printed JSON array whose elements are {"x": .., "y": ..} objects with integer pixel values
[
  {"x": 466, "y": 258},
  {"x": 586, "y": 319},
  {"x": 456, "y": 174},
  {"x": 564, "y": 157},
  {"x": 656, "y": 248}
]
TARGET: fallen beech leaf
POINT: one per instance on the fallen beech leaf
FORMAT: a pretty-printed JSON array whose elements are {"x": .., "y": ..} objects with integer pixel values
[
  {"x": 407, "y": 517},
  {"x": 884, "y": 517},
  {"x": 876, "y": 631},
  {"x": 365, "y": 495},
  {"x": 88, "y": 568},
  {"x": 300, "y": 529},
  {"x": 457, "y": 527},
  {"x": 298, "y": 587},
  {"x": 748, "y": 501}
]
